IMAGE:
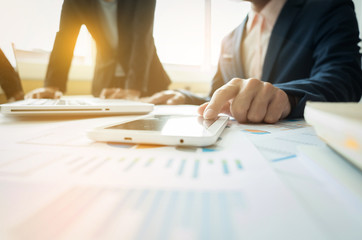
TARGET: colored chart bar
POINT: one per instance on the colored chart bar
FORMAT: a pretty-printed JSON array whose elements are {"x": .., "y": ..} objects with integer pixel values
[
  {"x": 149, "y": 162},
  {"x": 182, "y": 166},
  {"x": 238, "y": 164},
  {"x": 209, "y": 150},
  {"x": 131, "y": 164},
  {"x": 284, "y": 158},
  {"x": 97, "y": 166},
  {"x": 225, "y": 166},
  {"x": 169, "y": 163},
  {"x": 256, "y": 131},
  {"x": 196, "y": 168}
]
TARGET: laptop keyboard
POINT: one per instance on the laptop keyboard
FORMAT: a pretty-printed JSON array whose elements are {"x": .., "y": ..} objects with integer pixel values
[
  {"x": 57, "y": 102},
  {"x": 75, "y": 102},
  {"x": 74, "y": 106}
]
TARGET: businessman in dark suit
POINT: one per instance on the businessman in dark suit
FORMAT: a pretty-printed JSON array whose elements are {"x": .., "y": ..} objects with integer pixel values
[
  {"x": 307, "y": 50},
  {"x": 9, "y": 80},
  {"x": 127, "y": 65}
]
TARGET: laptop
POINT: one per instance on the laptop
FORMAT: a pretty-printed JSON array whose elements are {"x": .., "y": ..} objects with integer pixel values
[
  {"x": 71, "y": 106},
  {"x": 75, "y": 106}
]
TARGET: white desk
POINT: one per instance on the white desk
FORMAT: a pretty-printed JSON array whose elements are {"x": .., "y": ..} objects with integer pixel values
[{"x": 56, "y": 183}]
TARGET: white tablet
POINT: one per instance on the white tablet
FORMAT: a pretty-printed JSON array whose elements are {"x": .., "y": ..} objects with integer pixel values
[{"x": 183, "y": 130}]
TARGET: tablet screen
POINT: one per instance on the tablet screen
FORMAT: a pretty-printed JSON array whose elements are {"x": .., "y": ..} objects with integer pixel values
[{"x": 169, "y": 125}]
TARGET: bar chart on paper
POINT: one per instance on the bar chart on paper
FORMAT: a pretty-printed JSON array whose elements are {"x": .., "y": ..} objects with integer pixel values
[
  {"x": 129, "y": 170},
  {"x": 234, "y": 157}
]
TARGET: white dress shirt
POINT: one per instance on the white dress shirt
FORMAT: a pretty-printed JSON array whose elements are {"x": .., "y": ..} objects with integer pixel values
[{"x": 257, "y": 33}]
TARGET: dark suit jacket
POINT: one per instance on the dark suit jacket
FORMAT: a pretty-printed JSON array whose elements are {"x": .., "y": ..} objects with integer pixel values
[
  {"x": 9, "y": 78},
  {"x": 136, "y": 53},
  {"x": 313, "y": 54}
]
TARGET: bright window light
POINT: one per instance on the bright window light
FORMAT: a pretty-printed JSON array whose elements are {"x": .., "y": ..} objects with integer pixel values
[
  {"x": 186, "y": 32},
  {"x": 225, "y": 16},
  {"x": 34, "y": 25},
  {"x": 179, "y": 31}
]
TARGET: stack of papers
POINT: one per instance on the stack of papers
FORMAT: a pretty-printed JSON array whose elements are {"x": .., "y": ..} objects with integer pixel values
[{"x": 340, "y": 126}]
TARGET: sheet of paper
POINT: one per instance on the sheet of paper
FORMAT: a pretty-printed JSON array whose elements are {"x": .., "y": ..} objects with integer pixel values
[
  {"x": 55, "y": 183},
  {"x": 233, "y": 159},
  {"x": 334, "y": 193},
  {"x": 278, "y": 142}
]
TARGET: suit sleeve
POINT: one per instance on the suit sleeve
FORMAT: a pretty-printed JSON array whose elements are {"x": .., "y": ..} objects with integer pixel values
[
  {"x": 9, "y": 79},
  {"x": 143, "y": 48},
  {"x": 62, "y": 53},
  {"x": 336, "y": 75}
]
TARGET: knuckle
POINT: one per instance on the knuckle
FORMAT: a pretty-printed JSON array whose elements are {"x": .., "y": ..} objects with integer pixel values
[
  {"x": 253, "y": 82},
  {"x": 240, "y": 116},
  {"x": 255, "y": 117},
  {"x": 268, "y": 86},
  {"x": 271, "y": 119},
  {"x": 235, "y": 81},
  {"x": 241, "y": 119},
  {"x": 221, "y": 91},
  {"x": 231, "y": 86}
]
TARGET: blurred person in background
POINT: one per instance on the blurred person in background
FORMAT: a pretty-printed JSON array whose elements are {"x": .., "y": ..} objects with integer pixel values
[
  {"x": 127, "y": 64},
  {"x": 10, "y": 80}
]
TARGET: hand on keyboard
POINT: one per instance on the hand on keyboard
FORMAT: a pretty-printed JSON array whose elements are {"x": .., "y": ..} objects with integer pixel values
[
  {"x": 119, "y": 93},
  {"x": 47, "y": 92},
  {"x": 169, "y": 97}
]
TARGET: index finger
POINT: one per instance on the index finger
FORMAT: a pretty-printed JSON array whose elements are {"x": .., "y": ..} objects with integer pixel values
[{"x": 220, "y": 97}]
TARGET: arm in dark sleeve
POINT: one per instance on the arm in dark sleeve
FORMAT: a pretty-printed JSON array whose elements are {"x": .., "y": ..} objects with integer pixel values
[
  {"x": 143, "y": 47},
  {"x": 192, "y": 98},
  {"x": 9, "y": 79},
  {"x": 336, "y": 75},
  {"x": 62, "y": 53}
]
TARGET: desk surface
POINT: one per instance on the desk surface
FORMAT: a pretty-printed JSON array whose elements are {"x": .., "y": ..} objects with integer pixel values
[{"x": 54, "y": 182}]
